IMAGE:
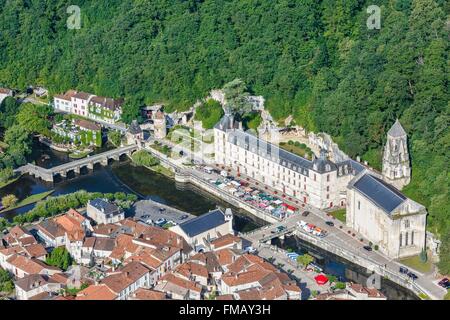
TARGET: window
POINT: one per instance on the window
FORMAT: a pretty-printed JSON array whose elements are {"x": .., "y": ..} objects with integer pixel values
[
  {"x": 412, "y": 237},
  {"x": 359, "y": 205},
  {"x": 406, "y": 238},
  {"x": 328, "y": 177},
  {"x": 401, "y": 239}
]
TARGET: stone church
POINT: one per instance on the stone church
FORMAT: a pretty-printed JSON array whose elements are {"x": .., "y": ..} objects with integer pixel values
[{"x": 396, "y": 162}]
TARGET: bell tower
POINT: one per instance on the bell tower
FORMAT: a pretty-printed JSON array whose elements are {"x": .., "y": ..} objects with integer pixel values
[{"x": 396, "y": 163}]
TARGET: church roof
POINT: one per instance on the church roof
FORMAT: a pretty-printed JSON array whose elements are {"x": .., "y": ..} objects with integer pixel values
[
  {"x": 203, "y": 223},
  {"x": 397, "y": 130},
  {"x": 379, "y": 192}
]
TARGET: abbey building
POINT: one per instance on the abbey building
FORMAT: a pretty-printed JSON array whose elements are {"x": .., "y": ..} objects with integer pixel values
[{"x": 375, "y": 208}]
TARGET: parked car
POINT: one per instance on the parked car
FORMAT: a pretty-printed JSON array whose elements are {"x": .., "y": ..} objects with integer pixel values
[
  {"x": 184, "y": 216},
  {"x": 161, "y": 221},
  {"x": 412, "y": 275},
  {"x": 444, "y": 283},
  {"x": 250, "y": 249},
  {"x": 330, "y": 223},
  {"x": 301, "y": 223},
  {"x": 403, "y": 270},
  {"x": 305, "y": 213},
  {"x": 162, "y": 209},
  {"x": 281, "y": 228},
  {"x": 145, "y": 216},
  {"x": 368, "y": 248}
]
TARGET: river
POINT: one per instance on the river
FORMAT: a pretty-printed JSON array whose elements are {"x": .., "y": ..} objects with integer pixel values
[{"x": 125, "y": 177}]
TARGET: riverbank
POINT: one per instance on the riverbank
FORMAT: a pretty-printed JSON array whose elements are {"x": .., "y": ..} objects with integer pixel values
[
  {"x": 29, "y": 200},
  {"x": 343, "y": 268},
  {"x": 7, "y": 183}
]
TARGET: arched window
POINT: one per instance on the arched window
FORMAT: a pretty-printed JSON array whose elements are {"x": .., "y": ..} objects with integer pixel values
[{"x": 406, "y": 238}]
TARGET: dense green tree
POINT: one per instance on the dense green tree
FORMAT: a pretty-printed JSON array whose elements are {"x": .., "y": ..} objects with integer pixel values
[
  {"x": 236, "y": 98},
  {"x": 6, "y": 174},
  {"x": 8, "y": 110},
  {"x": 60, "y": 258},
  {"x": 209, "y": 113},
  {"x": 6, "y": 282},
  {"x": 34, "y": 118}
]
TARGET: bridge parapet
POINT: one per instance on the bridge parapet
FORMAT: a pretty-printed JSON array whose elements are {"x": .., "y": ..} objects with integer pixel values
[{"x": 89, "y": 162}]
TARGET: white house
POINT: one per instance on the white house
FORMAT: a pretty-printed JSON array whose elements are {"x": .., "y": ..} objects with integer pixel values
[
  {"x": 104, "y": 212},
  {"x": 34, "y": 284}
]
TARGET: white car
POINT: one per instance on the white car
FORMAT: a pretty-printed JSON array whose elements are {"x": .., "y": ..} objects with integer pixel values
[
  {"x": 301, "y": 223},
  {"x": 250, "y": 249}
]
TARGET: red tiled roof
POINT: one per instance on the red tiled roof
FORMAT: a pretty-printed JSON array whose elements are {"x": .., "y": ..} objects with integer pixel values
[{"x": 96, "y": 292}]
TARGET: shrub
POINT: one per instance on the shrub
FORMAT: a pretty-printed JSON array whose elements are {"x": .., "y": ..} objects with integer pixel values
[{"x": 340, "y": 285}]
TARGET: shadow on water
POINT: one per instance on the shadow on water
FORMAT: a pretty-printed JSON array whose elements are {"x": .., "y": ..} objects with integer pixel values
[
  {"x": 125, "y": 177},
  {"x": 342, "y": 268}
]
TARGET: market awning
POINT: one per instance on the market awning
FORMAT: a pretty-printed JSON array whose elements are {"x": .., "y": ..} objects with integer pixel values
[{"x": 321, "y": 279}]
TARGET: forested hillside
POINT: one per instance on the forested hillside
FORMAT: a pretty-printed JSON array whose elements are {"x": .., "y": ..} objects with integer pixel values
[{"x": 314, "y": 59}]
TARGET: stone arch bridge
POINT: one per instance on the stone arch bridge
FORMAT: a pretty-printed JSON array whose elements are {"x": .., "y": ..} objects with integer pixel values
[{"x": 76, "y": 166}]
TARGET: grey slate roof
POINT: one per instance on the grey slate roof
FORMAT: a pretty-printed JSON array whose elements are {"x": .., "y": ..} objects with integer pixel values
[
  {"x": 226, "y": 123},
  {"x": 397, "y": 130},
  {"x": 271, "y": 152},
  {"x": 105, "y": 207},
  {"x": 379, "y": 192},
  {"x": 353, "y": 167},
  {"x": 203, "y": 223},
  {"x": 33, "y": 281},
  {"x": 134, "y": 128}
]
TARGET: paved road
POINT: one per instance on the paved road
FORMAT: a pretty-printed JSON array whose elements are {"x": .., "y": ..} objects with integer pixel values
[{"x": 342, "y": 239}]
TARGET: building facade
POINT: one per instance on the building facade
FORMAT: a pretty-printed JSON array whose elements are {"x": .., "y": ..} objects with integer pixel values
[
  {"x": 104, "y": 212},
  {"x": 87, "y": 105},
  {"x": 318, "y": 182},
  {"x": 385, "y": 216}
]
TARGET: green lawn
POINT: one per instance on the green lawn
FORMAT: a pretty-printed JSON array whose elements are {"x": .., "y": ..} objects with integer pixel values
[
  {"x": 162, "y": 148},
  {"x": 339, "y": 214},
  {"x": 298, "y": 150},
  {"x": 415, "y": 263},
  {"x": 31, "y": 199}
]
